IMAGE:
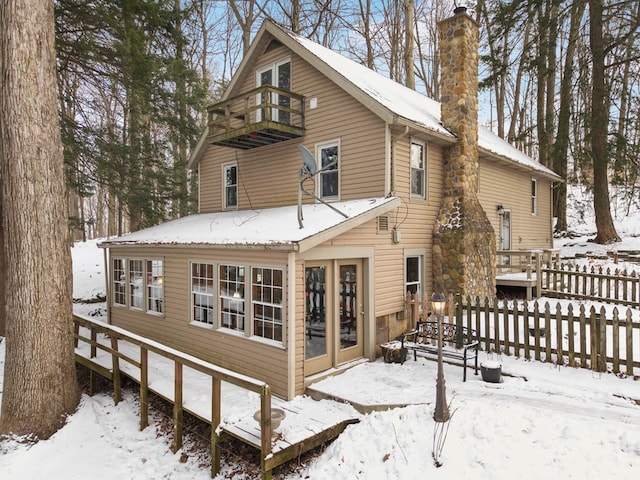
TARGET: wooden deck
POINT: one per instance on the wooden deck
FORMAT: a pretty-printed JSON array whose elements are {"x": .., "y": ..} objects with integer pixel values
[{"x": 219, "y": 397}]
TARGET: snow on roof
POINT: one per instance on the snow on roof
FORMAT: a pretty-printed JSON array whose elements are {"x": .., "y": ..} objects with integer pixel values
[
  {"x": 263, "y": 227},
  {"x": 493, "y": 143},
  {"x": 407, "y": 103},
  {"x": 397, "y": 98}
]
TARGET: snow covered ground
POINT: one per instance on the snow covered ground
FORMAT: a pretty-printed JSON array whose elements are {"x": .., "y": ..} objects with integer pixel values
[{"x": 542, "y": 421}]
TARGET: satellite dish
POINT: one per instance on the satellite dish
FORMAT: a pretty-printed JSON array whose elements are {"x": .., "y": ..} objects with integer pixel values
[{"x": 308, "y": 160}]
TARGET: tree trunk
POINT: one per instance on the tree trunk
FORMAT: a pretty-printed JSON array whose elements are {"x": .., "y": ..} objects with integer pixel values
[
  {"x": 561, "y": 146},
  {"x": 2, "y": 270},
  {"x": 409, "y": 19},
  {"x": 40, "y": 386},
  {"x": 606, "y": 231}
]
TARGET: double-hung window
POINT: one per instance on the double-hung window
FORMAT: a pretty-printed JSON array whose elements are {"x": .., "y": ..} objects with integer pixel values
[
  {"x": 155, "y": 286},
  {"x": 329, "y": 178},
  {"x": 418, "y": 169},
  {"x": 136, "y": 285},
  {"x": 230, "y": 186},
  {"x": 413, "y": 280},
  {"x": 232, "y": 296},
  {"x": 119, "y": 282},
  {"x": 534, "y": 196},
  {"x": 202, "y": 293},
  {"x": 267, "y": 302}
]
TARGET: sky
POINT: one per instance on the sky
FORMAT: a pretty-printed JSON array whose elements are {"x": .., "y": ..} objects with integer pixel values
[{"x": 541, "y": 421}]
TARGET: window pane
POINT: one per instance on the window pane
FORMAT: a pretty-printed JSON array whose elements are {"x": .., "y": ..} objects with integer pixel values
[
  {"x": 202, "y": 293},
  {"x": 417, "y": 170},
  {"x": 267, "y": 302},
  {"x": 231, "y": 186},
  {"x": 136, "y": 285},
  {"x": 155, "y": 286},
  {"x": 329, "y": 178},
  {"x": 119, "y": 282},
  {"x": 232, "y": 296}
]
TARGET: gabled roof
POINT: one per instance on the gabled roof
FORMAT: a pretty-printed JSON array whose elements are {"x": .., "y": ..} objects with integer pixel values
[
  {"x": 391, "y": 101},
  {"x": 269, "y": 228}
]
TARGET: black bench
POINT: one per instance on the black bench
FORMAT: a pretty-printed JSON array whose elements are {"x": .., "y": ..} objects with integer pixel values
[{"x": 425, "y": 339}]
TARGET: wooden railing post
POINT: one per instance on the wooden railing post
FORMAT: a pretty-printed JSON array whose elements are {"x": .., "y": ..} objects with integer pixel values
[
  {"x": 117, "y": 390},
  {"x": 265, "y": 430},
  {"x": 177, "y": 408},
  {"x": 216, "y": 396},
  {"x": 144, "y": 388}
]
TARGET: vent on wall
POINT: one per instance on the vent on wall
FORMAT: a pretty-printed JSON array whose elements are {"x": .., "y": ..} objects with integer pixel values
[{"x": 383, "y": 224}]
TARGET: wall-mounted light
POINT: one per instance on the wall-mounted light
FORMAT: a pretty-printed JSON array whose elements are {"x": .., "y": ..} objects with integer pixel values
[{"x": 500, "y": 209}]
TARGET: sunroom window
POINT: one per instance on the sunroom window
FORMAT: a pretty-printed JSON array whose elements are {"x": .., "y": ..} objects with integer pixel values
[
  {"x": 136, "y": 284},
  {"x": 202, "y": 293},
  {"x": 267, "y": 297},
  {"x": 155, "y": 286},
  {"x": 232, "y": 297}
]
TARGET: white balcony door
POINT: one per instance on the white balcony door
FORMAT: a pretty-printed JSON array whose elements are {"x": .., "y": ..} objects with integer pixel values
[{"x": 279, "y": 75}]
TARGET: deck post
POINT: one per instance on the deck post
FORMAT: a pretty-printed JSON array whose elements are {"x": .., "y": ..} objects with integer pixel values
[
  {"x": 265, "y": 430},
  {"x": 144, "y": 388},
  {"x": 177, "y": 408},
  {"x": 117, "y": 391},
  {"x": 216, "y": 397}
]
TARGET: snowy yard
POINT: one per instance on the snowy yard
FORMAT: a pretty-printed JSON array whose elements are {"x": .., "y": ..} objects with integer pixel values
[{"x": 542, "y": 421}]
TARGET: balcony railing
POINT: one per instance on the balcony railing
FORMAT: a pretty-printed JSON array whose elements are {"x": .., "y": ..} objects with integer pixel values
[{"x": 259, "y": 117}]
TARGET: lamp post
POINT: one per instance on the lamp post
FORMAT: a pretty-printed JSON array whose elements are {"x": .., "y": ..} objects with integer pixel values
[{"x": 441, "y": 413}]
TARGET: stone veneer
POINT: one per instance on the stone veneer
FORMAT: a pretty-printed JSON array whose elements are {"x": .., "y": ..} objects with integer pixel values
[{"x": 464, "y": 245}]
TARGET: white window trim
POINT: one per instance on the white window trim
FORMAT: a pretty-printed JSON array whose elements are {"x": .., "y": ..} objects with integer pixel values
[
  {"x": 420, "y": 253},
  {"x": 144, "y": 286},
  {"x": 425, "y": 179},
  {"x": 224, "y": 185},
  {"x": 534, "y": 196},
  {"x": 283, "y": 305},
  {"x": 214, "y": 298},
  {"x": 319, "y": 148},
  {"x": 149, "y": 286},
  {"x": 222, "y": 297}
]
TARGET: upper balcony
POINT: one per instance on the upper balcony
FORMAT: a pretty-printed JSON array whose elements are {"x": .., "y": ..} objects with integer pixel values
[{"x": 261, "y": 116}]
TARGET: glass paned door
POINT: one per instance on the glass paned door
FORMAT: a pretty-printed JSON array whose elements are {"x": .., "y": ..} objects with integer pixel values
[
  {"x": 279, "y": 75},
  {"x": 505, "y": 230},
  {"x": 350, "y": 311},
  {"x": 318, "y": 331}
]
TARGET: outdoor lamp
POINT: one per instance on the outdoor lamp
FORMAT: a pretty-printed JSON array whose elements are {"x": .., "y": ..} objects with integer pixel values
[
  {"x": 441, "y": 414},
  {"x": 438, "y": 301}
]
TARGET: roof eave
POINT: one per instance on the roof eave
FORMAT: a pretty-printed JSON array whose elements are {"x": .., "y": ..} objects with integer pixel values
[
  {"x": 554, "y": 177},
  {"x": 343, "y": 227}
]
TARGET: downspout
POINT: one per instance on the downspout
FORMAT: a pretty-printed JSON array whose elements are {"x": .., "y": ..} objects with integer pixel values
[
  {"x": 291, "y": 326},
  {"x": 394, "y": 140},
  {"x": 107, "y": 272}
]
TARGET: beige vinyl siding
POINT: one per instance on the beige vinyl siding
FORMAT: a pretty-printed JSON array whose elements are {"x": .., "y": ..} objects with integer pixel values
[
  {"x": 503, "y": 185},
  {"x": 268, "y": 176},
  {"x": 300, "y": 328},
  {"x": 251, "y": 357},
  {"x": 414, "y": 219}
]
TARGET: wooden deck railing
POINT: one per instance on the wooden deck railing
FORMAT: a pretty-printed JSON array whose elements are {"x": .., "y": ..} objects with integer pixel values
[
  {"x": 180, "y": 360},
  {"x": 595, "y": 283}
]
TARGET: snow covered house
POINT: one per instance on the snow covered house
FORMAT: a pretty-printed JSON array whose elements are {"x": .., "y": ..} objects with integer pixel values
[{"x": 405, "y": 195}]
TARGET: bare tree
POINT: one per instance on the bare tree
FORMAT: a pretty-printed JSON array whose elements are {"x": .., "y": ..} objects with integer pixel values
[
  {"x": 40, "y": 386},
  {"x": 606, "y": 230}
]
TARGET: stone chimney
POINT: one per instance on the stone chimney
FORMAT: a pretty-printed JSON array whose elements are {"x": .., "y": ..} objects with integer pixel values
[{"x": 464, "y": 245}]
